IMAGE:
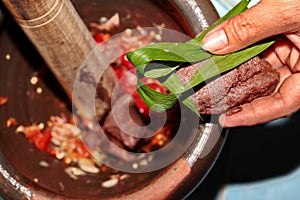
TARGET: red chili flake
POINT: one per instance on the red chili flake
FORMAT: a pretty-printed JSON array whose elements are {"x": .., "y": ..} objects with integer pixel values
[
  {"x": 11, "y": 122},
  {"x": 3, "y": 100},
  {"x": 103, "y": 168},
  {"x": 101, "y": 37},
  {"x": 98, "y": 38},
  {"x": 30, "y": 131},
  {"x": 42, "y": 140},
  {"x": 50, "y": 151},
  {"x": 160, "y": 138},
  {"x": 120, "y": 71},
  {"x": 126, "y": 62},
  {"x": 82, "y": 149}
]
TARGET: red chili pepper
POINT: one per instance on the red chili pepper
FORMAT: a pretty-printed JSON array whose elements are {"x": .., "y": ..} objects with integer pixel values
[
  {"x": 126, "y": 74},
  {"x": 82, "y": 149},
  {"x": 31, "y": 132},
  {"x": 140, "y": 104},
  {"x": 127, "y": 79},
  {"x": 99, "y": 37},
  {"x": 50, "y": 150},
  {"x": 142, "y": 107},
  {"x": 126, "y": 62},
  {"x": 120, "y": 71},
  {"x": 42, "y": 140}
]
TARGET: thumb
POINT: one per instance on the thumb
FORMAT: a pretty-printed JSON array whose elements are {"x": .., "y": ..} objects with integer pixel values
[{"x": 263, "y": 20}]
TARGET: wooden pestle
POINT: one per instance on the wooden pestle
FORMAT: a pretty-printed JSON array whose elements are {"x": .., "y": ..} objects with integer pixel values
[{"x": 63, "y": 40}]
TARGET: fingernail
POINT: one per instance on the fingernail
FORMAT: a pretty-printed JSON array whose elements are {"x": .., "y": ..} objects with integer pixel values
[{"x": 215, "y": 41}]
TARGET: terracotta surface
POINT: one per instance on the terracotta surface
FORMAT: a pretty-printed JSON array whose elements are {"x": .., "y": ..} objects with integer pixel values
[{"x": 19, "y": 159}]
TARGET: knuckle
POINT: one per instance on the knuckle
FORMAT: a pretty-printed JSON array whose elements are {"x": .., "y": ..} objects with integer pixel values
[{"x": 240, "y": 29}]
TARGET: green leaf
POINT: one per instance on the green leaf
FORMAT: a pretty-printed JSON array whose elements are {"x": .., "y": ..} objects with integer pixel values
[
  {"x": 166, "y": 51},
  {"x": 156, "y": 73},
  {"x": 188, "y": 102},
  {"x": 221, "y": 63},
  {"x": 174, "y": 84},
  {"x": 156, "y": 101},
  {"x": 180, "y": 52},
  {"x": 212, "y": 67},
  {"x": 162, "y": 59}
]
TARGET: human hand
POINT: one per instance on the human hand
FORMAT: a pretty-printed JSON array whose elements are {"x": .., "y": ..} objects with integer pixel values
[{"x": 267, "y": 18}]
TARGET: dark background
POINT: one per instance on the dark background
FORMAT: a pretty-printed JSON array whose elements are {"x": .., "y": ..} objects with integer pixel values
[{"x": 254, "y": 154}]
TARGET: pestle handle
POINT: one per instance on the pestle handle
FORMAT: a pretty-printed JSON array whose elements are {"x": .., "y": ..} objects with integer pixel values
[{"x": 63, "y": 40}]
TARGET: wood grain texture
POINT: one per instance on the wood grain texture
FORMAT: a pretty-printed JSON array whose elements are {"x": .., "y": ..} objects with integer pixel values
[{"x": 63, "y": 40}]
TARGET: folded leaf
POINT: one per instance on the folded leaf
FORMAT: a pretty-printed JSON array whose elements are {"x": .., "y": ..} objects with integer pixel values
[
  {"x": 162, "y": 59},
  {"x": 156, "y": 101}
]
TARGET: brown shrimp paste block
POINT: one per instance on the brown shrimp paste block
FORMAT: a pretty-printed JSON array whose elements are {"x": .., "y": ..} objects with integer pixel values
[{"x": 253, "y": 79}]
